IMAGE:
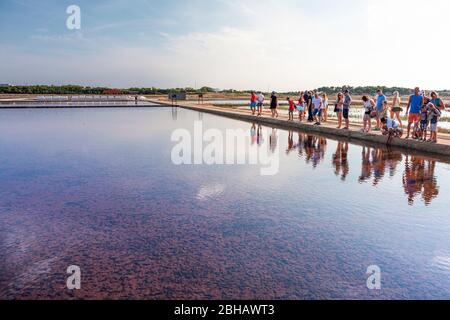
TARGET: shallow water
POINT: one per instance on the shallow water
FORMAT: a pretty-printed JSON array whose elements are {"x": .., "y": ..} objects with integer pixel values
[{"x": 97, "y": 188}]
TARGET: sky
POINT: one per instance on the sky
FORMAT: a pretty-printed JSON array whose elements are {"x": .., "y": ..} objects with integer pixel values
[{"x": 282, "y": 45}]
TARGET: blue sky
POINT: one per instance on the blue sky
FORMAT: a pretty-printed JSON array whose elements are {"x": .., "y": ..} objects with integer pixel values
[{"x": 266, "y": 44}]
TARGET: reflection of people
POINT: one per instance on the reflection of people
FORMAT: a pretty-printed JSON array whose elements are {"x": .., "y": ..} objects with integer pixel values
[
  {"x": 375, "y": 163},
  {"x": 340, "y": 160},
  {"x": 419, "y": 179},
  {"x": 291, "y": 145},
  {"x": 253, "y": 134},
  {"x": 260, "y": 138},
  {"x": 273, "y": 140}
]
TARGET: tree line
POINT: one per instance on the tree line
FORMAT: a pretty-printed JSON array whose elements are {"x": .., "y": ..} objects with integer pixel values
[{"x": 74, "y": 89}]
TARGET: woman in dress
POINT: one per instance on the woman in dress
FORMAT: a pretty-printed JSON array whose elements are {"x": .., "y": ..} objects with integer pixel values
[
  {"x": 324, "y": 107},
  {"x": 301, "y": 107}
]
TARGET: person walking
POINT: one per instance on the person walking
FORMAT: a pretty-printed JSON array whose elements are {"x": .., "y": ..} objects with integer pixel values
[
  {"x": 260, "y": 98},
  {"x": 413, "y": 111},
  {"x": 253, "y": 102},
  {"x": 274, "y": 105},
  {"x": 396, "y": 108},
  {"x": 338, "y": 108}
]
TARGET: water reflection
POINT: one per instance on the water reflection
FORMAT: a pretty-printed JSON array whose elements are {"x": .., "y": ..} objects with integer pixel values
[
  {"x": 340, "y": 160},
  {"x": 376, "y": 162},
  {"x": 419, "y": 180}
]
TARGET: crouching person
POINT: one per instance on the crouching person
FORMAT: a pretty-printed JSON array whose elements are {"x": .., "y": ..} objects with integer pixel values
[{"x": 391, "y": 128}]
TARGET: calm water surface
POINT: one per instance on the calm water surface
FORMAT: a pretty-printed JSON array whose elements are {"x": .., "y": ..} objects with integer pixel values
[{"x": 97, "y": 188}]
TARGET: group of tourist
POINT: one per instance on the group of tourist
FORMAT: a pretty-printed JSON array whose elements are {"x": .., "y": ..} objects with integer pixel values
[{"x": 422, "y": 112}]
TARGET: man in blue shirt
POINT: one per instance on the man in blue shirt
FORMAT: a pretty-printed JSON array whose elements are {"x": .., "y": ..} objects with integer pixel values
[
  {"x": 381, "y": 98},
  {"x": 413, "y": 110}
]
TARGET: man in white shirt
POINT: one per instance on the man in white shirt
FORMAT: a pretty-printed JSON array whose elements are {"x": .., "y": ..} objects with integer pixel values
[
  {"x": 260, "y": 98},
  {"x": 391, "y": 128},
  {"x": 317, "y": 106}
]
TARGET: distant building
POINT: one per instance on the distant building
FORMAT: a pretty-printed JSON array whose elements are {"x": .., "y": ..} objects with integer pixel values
[{"x": 5, "y": 85}]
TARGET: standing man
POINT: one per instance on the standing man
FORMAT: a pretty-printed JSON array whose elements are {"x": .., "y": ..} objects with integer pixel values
[
  {"x": 308, "y": 101},
  {"x": 346, "y": 108},
  {"x": 413, "y": 110},
  {"x": 381, "y": 98},
  {"x": 260, "y": 97},
  {"x": 317, "y": 105}
]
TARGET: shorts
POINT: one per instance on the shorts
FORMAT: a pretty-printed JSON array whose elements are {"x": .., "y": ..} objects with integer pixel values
[
  {"x": 380, "y": 114},
  {"x": 317, "y": 112},
  {"x": 300, "y": 108},
  {"x": 253, "y": 105},
  {"x": 433, "y": 127},
  {"x": 345, "y": 113},
  {"x": 414, "y": 117},
  {"x": 423, "y": 125},
  {"x": 260, "y": 104},
  {"x": 367, "y": 117}
]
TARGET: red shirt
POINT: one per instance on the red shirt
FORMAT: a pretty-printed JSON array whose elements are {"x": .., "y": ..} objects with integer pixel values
[
  {"x": 291, "y": 105},
  {"x": 253, "y": 98}
]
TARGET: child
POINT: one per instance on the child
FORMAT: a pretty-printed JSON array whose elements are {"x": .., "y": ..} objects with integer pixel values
[
  {"x": 253, "y": 102},
  {"x": 301, "y": 108},
  {"x": 433, "y": 114},
  {"x": 422, "y": 133},
  {"x": 291, "y": 109}
]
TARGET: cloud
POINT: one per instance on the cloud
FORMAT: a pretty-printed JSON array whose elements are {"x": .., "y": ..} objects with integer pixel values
[{"x": 266, "y": 45}]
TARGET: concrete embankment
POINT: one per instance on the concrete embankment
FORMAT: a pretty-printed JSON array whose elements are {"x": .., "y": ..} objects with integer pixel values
[{"x": 439, "y": 149}]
